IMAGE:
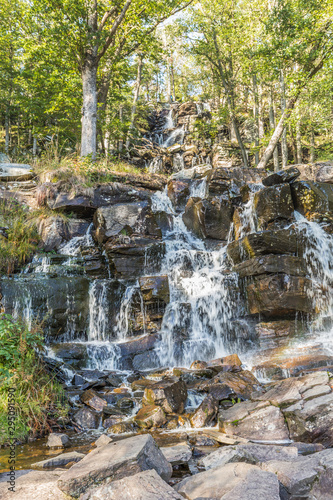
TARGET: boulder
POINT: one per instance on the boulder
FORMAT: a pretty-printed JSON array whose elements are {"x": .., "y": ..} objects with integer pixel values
[
  {"x": 53, "y": 232},
  {"x": 15, "y": 172},
  {"x": 197, "y": 172},
  {"x": 178, "y": 454},
  {"x": 305, "y": 477},
  {"x": 59, "y": 461},
  {"x": 170, "y": 394},
  {"x": 325, "y": 173},
  {"x": 312, "y": 197},
  {"x": 249, "y": 453},
  {"x": 218, "y": 182},
  {"x": 34, "y": 485},
  {"x": 254, "y": 420},
  {"x": 145, "y": 485},
  {"x": 282, "y": 241},
  {"x": 150, "y": 416},
  {"x": 193, "y": 217},
  {"x": 87, "y": 419},
  {"x": 187, "y": 108},
  {"x": 287, "y": 175},
  {"x": 57, "y": 440},
  {"x": 179, "y": 192},
  {"x": 206, "y": 414},
  {"x": 155, "y": 289},
  {"x": 102, "y": 440},
  {"x": 267, "y": 264},
  {"x": 273, "y": 203},
  {"x": 240, "y": 384},
  {"x": 208, "y": 218},
  {"x": 221, "y": 481},
  {"x": 115, "y": 461},
  {"x": 278, "y": 295},
  {"x": 92, "y": 399},
  {"x": 138, "y": 345}
]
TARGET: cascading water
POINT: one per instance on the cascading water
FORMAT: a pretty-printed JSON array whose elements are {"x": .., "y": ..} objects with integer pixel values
[{"x": 176, "y": 137}]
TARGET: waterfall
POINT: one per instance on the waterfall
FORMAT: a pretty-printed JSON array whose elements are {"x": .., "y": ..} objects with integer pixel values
[
  {"x": 73, "y": 247},
  {"x": 123, "y": 320},
  {"x": 98, "y": 310},
  {"x": 198, "y": 188},
  {"x": 169, "y": 123},
  {"x": 178, "y": 162},
  {"x": 176, "y": 137},
  {"x": 156, "y": 165}
]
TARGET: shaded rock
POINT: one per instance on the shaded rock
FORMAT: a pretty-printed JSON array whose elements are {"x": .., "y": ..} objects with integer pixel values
[
  {"x": 273, "y": 203},
  {"x": 138, "y": 345},
  {"x": 259, "y": 421},
  {"x": 249, "y": 453},
  {"x": 53, "y": 232},
  {"x": 178, "y": 454},
  {"x": 305, "y": 477},
  {"x": 287, "y": 264},
  {"x": 281, "y": 241},
  {"x": 208, "y": 218},
  {"x": 155, "y": 289},
  {"x": 187, "y": 108},
  {"x": 197, "y": 172},
  {"x": 221, "y": 175},
  {"x": 150, "y": 416},
  {"x": 127, "y": 427},
  {"x": 142, "y": 486},
  {"x": 178, "y": 192},
  {"x": 241, "y": 384},
  {"x": 15, "y": 172},
  {"x": 287, "y": 175},
  {"x": 57, "y": 440},
  {"x": 115, "y": 461},
  {"x": 279, "y": 295},
  {"x": 59, "y": 461},
  {"x": 87, "y": 419},
  {"x": 112, "y": 420},
  {"x": 92, "y": 399},
  {"x": 215, "y": 483},
  {"x": 102, "y": 440},
  {"x": 275, "y": 333},
  {"x": 206, "y": 413},
  {"x": 170, "y": 394},
  {"x": 35, "y": 485},
  {"x": 312, "y": 197}
]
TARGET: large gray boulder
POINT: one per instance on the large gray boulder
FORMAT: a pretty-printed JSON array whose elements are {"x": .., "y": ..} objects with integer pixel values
[
  {"x": 115, "y": 461},
  {"x": 15, "y": 172},
  {"x": 35, "y": 485}
]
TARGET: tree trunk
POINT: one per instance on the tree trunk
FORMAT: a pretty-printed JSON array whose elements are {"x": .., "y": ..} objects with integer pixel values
[
  {"x": 121, "y": 119},
  {"x": 277, "y": 134},
  {"x": 298, "y": 140},
  {"x": 135, "y": 100},
  {"x": 313, "y": 146},
  {"x": 284, "y": 144},
  {"x": 272, "y": 126},
  {"x": 7, "y": 130},
  {"x": 256, "y": 117},
  {"x": 89, "y": 110},
  {"x": 293, "y": 144},
  {"x": 261, "y": 113},
  {"x": 34, "y": 147},
  {"x": 173, "y": 81}
]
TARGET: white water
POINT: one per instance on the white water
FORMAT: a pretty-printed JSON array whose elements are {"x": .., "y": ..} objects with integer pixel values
[
  {"x": 156, "y": 165},
  {"x": 98, "y": 307},
  {"x": 176, "y": 137},
  {"x": 178, "y": 162},
  {"x": 74, "y": 246},
  {"x": 169, "y": 123}
]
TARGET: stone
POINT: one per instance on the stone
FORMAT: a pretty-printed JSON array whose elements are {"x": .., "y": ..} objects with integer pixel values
[
  {"x": 198, "y": 365},
  {"x": 170, "y": 394},
  {"x": 35, "y": 485},
  {"x": 59, "y": 461},
  {"x": 115, "y": 461},
  {"x": 178, "y": 454},
  {"x": 87, "y": 419},
  {"x": 282, "y": 176},
  {"x": 193, "y": 217},
  {"x": 276, "y": 333},
  {"x": 312, "y": 197},
  {"x": 150, "y": 416},
  {"x": 57, "y": 440},
  {"x": 215, "y": 483},
  {"x": 155, "y": 289},
  {"x": 265, "y": 264},
  {"x": 282, "y": 241},
  {"x": 278, "y": 295},
  {"x": 256, "y": 486},
  {"x": 307, "y": 476},
  {"x": 206, "y": 414},
  {"x": 222, "y": 438},
  {"x": 176, "y": 148},
  {"x": 92, "y": 399},
  {"x": 241, "y": 384},
  {"x": 112, "y": 420},
  {"x": 256, "y": 423},
  {"x": 53, "y": 232},
  {"x": 217, "y": 218},
  {"x": 325, "y": 173},
  {"x": 273, "y": 203},
  {"x": 179, "y": 192},
  {"x": 138, "y": 345},
  {"x": 15, "y": 172},
  {"x": 187, "y": 108},
  {"x": 145, "y": 485},
  {"x": 249, "y": 453},
  {"x": 197, "y": 172},
  {"x": 102, "y": 440},
  {"x": 283, "y": 393},
  {"x": 231, "y": 360},
  {"x": 222, "y": 175}
]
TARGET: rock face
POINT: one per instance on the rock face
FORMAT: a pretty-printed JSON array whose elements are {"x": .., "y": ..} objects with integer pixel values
[
  {"x": 208, "y": 218},
  {"x": 311, "y": 198},
  {"x": 272, "y": 204},
  {"x": 115, "y": 461},
  {"x": 170, "y": 394}
]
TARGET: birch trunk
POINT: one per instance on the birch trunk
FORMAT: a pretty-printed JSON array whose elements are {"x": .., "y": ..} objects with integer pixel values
[
  {"x": 7, "y": 130},
  {"x": 256, "y": 117},
  {"x": 135, "y": 100},
  {"x": 284, "y": 144},
  {"x": 298, "y": 141},
  {"x": 89, "y": 110},
  {"x": 313, "y": 146},
  {"x": 272, "y": 126}
]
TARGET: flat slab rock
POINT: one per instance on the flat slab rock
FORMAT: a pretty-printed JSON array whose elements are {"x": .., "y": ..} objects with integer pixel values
[
  {"x": 230, "y": 482},
  {"x": 115, "y": 461},
  {"x": 59, "y": 461},
  {"x": 143, "y": 486},
  {"x": 36, "y": 485},
  {"x": 15, "y": 171},
  {"x": 179, "y": 454},
  {"x": 249, "y": 453}
]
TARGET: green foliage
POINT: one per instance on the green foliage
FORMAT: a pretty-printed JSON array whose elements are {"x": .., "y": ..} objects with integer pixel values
[{"x": 39, "y": 398}]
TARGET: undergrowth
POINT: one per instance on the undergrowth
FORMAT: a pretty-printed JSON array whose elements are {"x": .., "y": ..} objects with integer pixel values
[{"x": 38, "y": 397}]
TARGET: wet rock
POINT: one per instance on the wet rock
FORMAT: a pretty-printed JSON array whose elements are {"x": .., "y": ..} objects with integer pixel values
[
  {"x": 155, "y": 289},
  {"x": 92, "y": 399},
  {"x": 150, "y": 416},
  {"x": 35, "y": 485},
  {"x": 276, "y": 333},
  {"x": 138, "y": 345},
  {"x": 208, "y": 218},
  {"x": 78, "y": 380},
  {"x": 266, "y": 264},
  {"x": 249, "y": 453},
  {"x": 53, "y": 232},
  {"x": 102, "y": 440},
  {"x": 228, "y": 361},
  {"x": 222, "y": 481},
  {"x": 277, "y": 367},
  {"x": 307, "y": 448},
  {"x": 143, "y": 486},
  {"x": 312, "y": 197},
  {"x": 179, "y": 192},
  {"x": 287, "y": 175},
  {"x": 112, "y": 420},
  {"x": 127, "y": 427},
  {"x": 87, "y": 419},
  {"x": 206, "y": 414},
  {"x": 218, "y": 182},
  {"x": 281, "y": 241},
  {"x": 197, "y": 172},
  {"x": 280, "y": 295},
  {"x": 193, "y": 217},
  {"x": 113, "y": 380},
  {"x": 198, "y": 365},
  {"x": 146, "y": 361},
  {"x": 178, "y": 454},
  {"x": 273, "y": 203},
  {"x": 59, "y": 461},
  {"x": 57, "y": 440},
  {"x": 170, "y": 394},
  {"x": 186, "y": 109},
  {"x": 241, "y": 384},
  {"x": 260, "y": 421},
  {"x": 305, "y": 477},
  {"x": 115, "y": 461},
  {"x": 141, "y": 384}
]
